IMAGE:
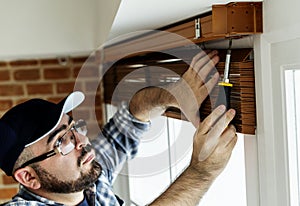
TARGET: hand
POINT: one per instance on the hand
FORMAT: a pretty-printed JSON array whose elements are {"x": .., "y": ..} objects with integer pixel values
[
  {"x": 194, "y": 182},
  {"x": 213, "y": 143},
  {"x": 191, "y": 90}
]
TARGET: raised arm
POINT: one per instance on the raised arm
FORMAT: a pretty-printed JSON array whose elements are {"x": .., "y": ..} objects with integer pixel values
[
  {"x": 187, "y": 94},
  {"x": 194, "y": 182}
]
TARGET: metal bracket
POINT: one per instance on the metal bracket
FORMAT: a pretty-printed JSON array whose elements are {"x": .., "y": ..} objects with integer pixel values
[{"x": 197, "y": 28}]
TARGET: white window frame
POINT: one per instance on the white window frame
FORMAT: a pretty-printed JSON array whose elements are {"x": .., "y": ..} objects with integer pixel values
[
  {"x": 292, "y": 133},
  {"x": 273, "y": 172},
  {"x": 269, "y": 150}
]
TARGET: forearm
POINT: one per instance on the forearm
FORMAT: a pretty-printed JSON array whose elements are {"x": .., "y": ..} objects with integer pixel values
[
  {"x": 188, "y": 189},
  {"x": 151, "y": 102}
]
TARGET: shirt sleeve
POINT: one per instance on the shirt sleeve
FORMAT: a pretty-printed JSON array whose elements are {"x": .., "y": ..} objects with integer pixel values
[{"x": 118, "y": 140}]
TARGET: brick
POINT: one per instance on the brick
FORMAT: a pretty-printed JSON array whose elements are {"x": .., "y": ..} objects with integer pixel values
[
  {"x": 92, "y": 85},
  {"x": 3, "y": 64},
  {"x": 98, "y": 100},
  {"x": 6, "y": 180},
  {"x": 21, "y": 100},
  {"x": 42, "y": 88},
  {"x": 76, "y": 71},
  {"x": 4, "y": 75},
  {"x": 57, "y": 73},
  {"x": 91, "y": 100},
  {"x": 49, "y": 61},
  {"x": 8, "y": 193},
  {"x": 65, "y": 87},
  {"x": 78, "y": 86},
  {"x": 81, "y": 59},
  {"x": 5, "y": 105},
  {"x": 99, "y": 114},
  {"x": 81, "y": 114},
  {"x": 11, "y": 90},
  {"x": 27, "y": 74},
  {"x": 56, "y": 99},
  {"x": 30, "y": 62},
  {"x": 90, "y": 71}
]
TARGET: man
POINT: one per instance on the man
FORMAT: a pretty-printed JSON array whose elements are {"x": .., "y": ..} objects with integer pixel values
[{"x": 47, "y": 151}]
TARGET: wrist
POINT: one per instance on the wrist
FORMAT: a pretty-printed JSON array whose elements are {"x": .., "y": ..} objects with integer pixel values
[{"x": 201, "y": 174}]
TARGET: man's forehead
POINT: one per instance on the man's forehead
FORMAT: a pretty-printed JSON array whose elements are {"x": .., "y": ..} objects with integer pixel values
[{"x": 64, "y": 122}]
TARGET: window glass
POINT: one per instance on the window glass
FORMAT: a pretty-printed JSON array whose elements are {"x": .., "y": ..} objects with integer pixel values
[
  {"x": 230, "y": 187},
  {"x": 164, "y": 153},
  {"x": 149, "y": 171},
  {"x": 292, "y": 102}
]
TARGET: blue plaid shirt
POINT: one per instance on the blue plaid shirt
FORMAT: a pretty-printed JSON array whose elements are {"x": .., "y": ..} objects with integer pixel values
[{"x": 118, "y": 142}]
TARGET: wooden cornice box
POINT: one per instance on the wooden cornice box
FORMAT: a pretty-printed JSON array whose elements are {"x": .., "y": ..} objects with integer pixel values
[
  {"x": 232, "y": 20},
  {"x": 239, "y": 18}
]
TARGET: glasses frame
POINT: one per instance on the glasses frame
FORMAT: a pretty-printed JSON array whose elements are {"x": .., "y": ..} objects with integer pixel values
[{"x": 56, "y": 149}]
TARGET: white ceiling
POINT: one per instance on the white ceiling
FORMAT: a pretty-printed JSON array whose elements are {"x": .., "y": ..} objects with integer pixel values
[{"x": 137, "y": 15}]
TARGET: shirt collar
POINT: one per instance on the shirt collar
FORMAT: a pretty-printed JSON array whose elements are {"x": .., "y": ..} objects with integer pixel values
[{"x": 28, "y": 195}]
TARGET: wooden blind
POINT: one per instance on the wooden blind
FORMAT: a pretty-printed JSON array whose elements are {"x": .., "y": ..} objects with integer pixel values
[{"x": 129, "y": 75}]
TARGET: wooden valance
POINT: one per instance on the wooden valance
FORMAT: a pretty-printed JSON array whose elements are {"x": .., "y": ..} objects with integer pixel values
[{"x": 232, "y": 20}]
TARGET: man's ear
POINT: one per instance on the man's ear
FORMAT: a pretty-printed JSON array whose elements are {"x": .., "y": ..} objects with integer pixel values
[{"x": 27, "y": 177}]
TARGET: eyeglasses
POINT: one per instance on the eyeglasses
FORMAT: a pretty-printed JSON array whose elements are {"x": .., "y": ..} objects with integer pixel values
[{"x": 64, "y": 145}]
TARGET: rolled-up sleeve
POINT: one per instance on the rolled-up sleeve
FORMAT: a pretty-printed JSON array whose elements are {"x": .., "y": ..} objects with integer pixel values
[{"x": 119, "y": 140}]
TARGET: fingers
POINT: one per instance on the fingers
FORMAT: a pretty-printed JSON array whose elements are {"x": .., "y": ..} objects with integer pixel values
[
  {"x": 197, "y": 58},
  {"x": 210, "y": 120},
  {"x": 232, "y": 143},
  {"x": 201, "y": 66},
  {"x": 203, "y": 63},
  {"x": 218, "y": 133},
  {"x": 229, "y": 137},
  {"x": 223, "y": 122},
  {"x": 209, "y": 86}
]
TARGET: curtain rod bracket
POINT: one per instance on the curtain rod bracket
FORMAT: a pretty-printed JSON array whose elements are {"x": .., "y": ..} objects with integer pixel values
[{"x": 197, "y": 28}]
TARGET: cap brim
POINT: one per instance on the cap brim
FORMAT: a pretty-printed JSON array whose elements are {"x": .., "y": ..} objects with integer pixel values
[{"x": 69, "y": 103}]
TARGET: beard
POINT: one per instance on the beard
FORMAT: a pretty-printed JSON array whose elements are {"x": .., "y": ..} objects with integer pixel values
[{"x": 51, "y": 183}]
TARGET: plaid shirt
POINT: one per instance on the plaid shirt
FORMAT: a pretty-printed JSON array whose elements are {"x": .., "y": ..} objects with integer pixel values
[{"x": 117, "y": 143}]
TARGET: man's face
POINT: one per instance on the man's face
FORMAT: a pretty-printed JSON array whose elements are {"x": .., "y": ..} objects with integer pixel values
[{"x": 73, "y": 172}]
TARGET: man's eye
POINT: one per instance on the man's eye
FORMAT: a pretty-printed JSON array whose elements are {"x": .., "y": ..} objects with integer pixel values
[
  {"x": 62, "y": 139},
  {"x": 59, "y": 141}
]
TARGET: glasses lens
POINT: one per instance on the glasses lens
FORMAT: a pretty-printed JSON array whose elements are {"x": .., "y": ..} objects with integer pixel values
[
  {"x": 81, "y": 127},
  {"x": 67, "y": 143},
  {"x": 66, "y": 149}
]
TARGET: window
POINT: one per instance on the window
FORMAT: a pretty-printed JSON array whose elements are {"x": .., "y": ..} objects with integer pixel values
[
  {"x": 162, "y": 157},
  {"x": 292, "y": 102}
]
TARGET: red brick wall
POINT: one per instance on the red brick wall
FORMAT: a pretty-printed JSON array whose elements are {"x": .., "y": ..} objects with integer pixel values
[{"x": 48, "y": 79}]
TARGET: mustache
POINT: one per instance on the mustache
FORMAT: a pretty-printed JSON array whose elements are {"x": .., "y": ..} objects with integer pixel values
[{"x": 84, "y": 151}]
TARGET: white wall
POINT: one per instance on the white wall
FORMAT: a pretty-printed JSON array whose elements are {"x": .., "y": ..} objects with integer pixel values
[{"x": 51, "y": 27}]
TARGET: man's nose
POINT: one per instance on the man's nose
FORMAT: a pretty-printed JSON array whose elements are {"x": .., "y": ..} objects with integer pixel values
[{"x": 81, "y": 140}]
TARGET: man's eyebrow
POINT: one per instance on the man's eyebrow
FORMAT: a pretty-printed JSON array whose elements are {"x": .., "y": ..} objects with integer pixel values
[{"x": 55, "y": 132}]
